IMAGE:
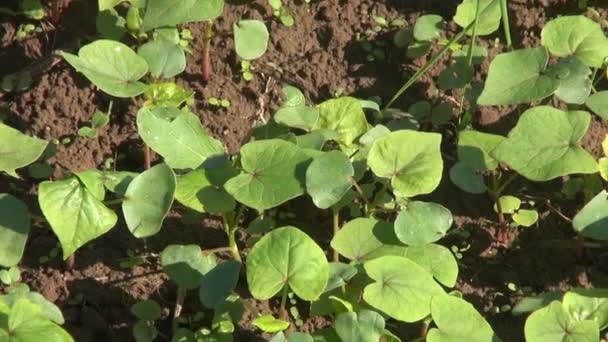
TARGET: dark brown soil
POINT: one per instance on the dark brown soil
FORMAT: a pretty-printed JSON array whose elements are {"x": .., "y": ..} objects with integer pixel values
[{"x": 319, "y": 56}]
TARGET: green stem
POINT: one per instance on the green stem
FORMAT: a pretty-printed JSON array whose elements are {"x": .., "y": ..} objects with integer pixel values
[
  {"x": 473, "y": 37},
  {"x": 283, "y": 311},
  {"x": 336, "y": 224},
  {"x": 234, "y": 248},
  {"x": 504, "y": 11},
  {"x": 428, "y": 65},
  {"x": 504, "y": 185}
]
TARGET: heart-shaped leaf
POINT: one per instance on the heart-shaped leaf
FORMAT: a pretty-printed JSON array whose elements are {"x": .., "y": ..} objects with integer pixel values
[
  {"x": 428, "y": 27},
  {"x": 529, "y": 83},
  {"x": 274, "y": 173},
  {"x": 118, "y": 181},
  {"x": 410, "y": 159},
  {"x": 420, "y": 223},
  {"x": 287, "y": 257},
  {"x": 598, "y": 103},
  {"x": 457, "y": 320},
  {"x": 437, "y": 260},
  {"x": 186, "y": 265},
  {"x": 592, "y": 220},
  {"x": 576, "y": 36},
  {"x": 196, "y": 191},
  {"x": 93, "y": 180},
  {"x": 250, "y": 39},
  {"x": 551, "y": 152},
  {"x": 164, "y": 58},
  {"x": 552, "y": 323},
  {"x": 145, "y": 206},
  {"x": 402, "y": 289},
  {"x": 74, "y": 213},
  {"x": 489, "y": 15},
  {"x": 574, "y": 80},
  {"x": 362, "y": 326},
  {"x": 339, "y": 275},
  {"x": 219, "y": 283},
  {"x": 328, "y": 178},
  {"x": 588, "y": 304},
  {"x": 26, "y": 323},
  {"x": 365, "y": 239},
  {"x": 525, "y": 217},
  {"x": 467, "y": 179},
  {"x": 177, "y": 136},
  {"x": 14, "y": 229},
  {"x": 112, "y": 66},
  {"x": 46, "y": 308},
  {"x": 161, "y": 13},
  {"x": 17, "y": 149},
  {"x": 474, "y": 149},
  {"x": 344, "y": 116}
]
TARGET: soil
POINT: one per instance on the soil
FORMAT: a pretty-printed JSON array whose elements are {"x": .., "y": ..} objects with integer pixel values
[{"x": 319, "y": 56}]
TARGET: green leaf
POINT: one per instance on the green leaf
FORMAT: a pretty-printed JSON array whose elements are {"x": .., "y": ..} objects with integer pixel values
[
  {"x": 269, "y": 324},
  {"x": 587, "y": 304},
  {"x": 591, "y": 221},
  {"x": 428, "y": 27},
  {"x": 457, "y": 320},
  {"x": 167, "y": 94},
  {"x": 112, "y": 66},
  {"x": 508, "y": 204},
  {"x": 302, "y": 117},
  {"x": 437, "y": 260},
  {"x": 328, "y": 178},
  {"x": 45, "y": 307},
  {"x": 147, "y": 310},
  {"x": 287, "y": 257},
  {"x": 26, "y": 324},
  {"x": 411, "y": 160},
  {"x": 74, "y": 213},
  {"x": 219, "y": 283},
  {"x": 164, "y": 58},
  {"x": 93, "y": 180},
  {"x": 489, "y": 16},
  {"x": 574, "y": 80},
  {"x": 186, "y": 265},
  {"x": 14, "y": 229},
  {"x": 142, "y": 332},
  {"x": 161, "y": 13},
  {"x": 107, "y": 4},
  {"x": 402, "y": 289},
  {"x": 467, "y": 179},
  {"x": 598, "y": 103},
  {"x": 339, "y": 275},
  {"x": 250, "y": 39},
  {"x": 525, "y": 217},
  {"x": 551, "y": 152},
  {"x": 365, "y": 239},
  {"x": 474, "y": 149},
  {"x": 118, "y": 181},
  {"x": 274, "y": 173},
  {"x": 110, "y": 24},
  {"x": 362, "y": 326},
  {"x": 182, "y": 141},
  {"x": 420, "y": 223},
  {"x": 18, "y": 150},
  {"x": 33, "y": 9},
  {"x": 146, "y": 206},
  {"x": 529, "y": 83},
  {"x": 576, "y": 36},
  {"x": 553, "y": 323},
  {"x": 344, "y": 116},
  {"x": 292, "y": 337},
  {"x": 195, "y": 191},
  {"x": 100, "y": 119}
]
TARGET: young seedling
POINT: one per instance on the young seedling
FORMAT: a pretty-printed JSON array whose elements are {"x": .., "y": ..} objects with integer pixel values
[
  {"x": 147, "y": 312},
  {"x": 99, "y": 121},
  {"x": 219, "y": 103},
  {"x": 281, "y": 12},
  {"x": 251, "y": 42}
]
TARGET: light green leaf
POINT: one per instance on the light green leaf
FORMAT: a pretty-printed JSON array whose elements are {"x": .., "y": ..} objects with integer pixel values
[
  {"x": 474, "y": 149},
  {"x": 292, "y": 337},
  {"x": 428, "y": 27},
  {"x": 163, "y": 57},
  {"x": 574, "y": 80},
  {"x": 344, "y": 116},
  {"x": 74, "y": 213},
  {"x": 437, "y": 260},
  {"x": 46, "y": 308},
  {"x": 402, "y": 289},
  {"x": 328, "y": 178},
  {"x": 250, "y": 39},
  {"x": 17, "y": 149},
  {"x": 93, "y": 180},
  {"x": 525, "y": 217},
  {"x": 302, "y": 117},
  {"x": 161, "y": 13},
  {"x": 420, "y": 223},
  {"x": 14, "y": 229},
  {"x": 26, "y": 324},
  {"x": 186, "y": 265},
  {"x": 269, "y": 324},
  {"x": 274, "y": 172},
  {"x": 529, "y": 83},
  {"x": 148, "y": 200},
  {"x": 112, "y": 66},
  {"x": 489, "y": 15},
  {"x": 107, "y": 4},
  {"x": 195, "y": 191},
  {"x": 592, "y": 220},
  {"x": 508, "y": 204},
  {"x": 552, "y": 323},
  {"x": 365, "y": 239},
  {"x": 551, "y": 152},
  {"x": 457, "y": 320},
  {"x": 598, "y": 103},
  {"x": 182, "y": 140},
  {"x": 410, "y": 159},
  {"x": 287, "y": 257},
  {"x": 339, "y": 275},
  {"x": 110, "y": 24},
  {"x": 118, "y": 181},
  {"x": 362, "y": 326},
  {"x": 576, "y": 36},
  {"x": 167, "y": 94},
  {"x": 587, "y": 304}
]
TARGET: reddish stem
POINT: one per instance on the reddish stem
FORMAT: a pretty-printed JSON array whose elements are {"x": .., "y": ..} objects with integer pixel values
[
  {"x": 207, "y": 35},
  {"x": 70, "y": 262},
  {"x": 147, "y": 157}
]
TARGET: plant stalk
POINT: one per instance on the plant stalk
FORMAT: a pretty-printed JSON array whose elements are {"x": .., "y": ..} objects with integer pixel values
[
  {"x": 216, "y": 250},
  {"x": 147, "y": 157},
  {"x": 113, "y": 202},
  {"x": 473, "y": 37},
  {"x": 70, "y": 262},
  {"x": 361, "y": 194},
  {"x": 504, "y": 11},
  {"x": 179, "y": 302},
  {"x": 207, "y": 36},
  {"x": 336, "y": 224},
  {"x": 283, "y": 310}
]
